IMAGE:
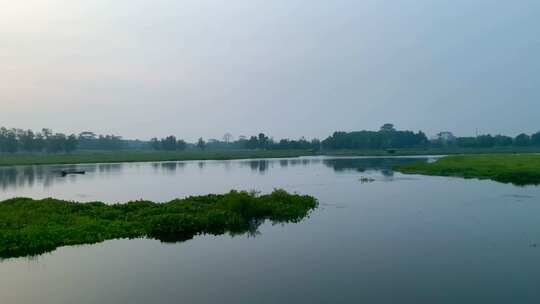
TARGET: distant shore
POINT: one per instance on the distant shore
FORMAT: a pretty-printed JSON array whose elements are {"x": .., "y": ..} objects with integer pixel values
[{"x": 89, "y": 157}]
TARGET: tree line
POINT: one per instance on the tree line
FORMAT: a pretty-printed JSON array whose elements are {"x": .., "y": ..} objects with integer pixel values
[
  {"x": 490, "y": 141},
  {"x": 14, "y": 140},
  {"x": 260, "y": 142},
  {"x": 169, "y": 143},
  {"x": 18, "y": 140},
  {"x": 387, "y": 137}
]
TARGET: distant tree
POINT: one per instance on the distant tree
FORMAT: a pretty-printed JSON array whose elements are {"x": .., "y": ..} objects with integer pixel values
[
  {"x": 384, "y": 139},
  {"x": 155, "y": 144},
  {"x": 535, "y": 138},
  {"x": 503, "y": 141},
  {"x": 485, "y": 141},
  {"x": 201, "y": 144},
  {"x": 522, "y": 140},
  {"x": 263, "y": 141},
  {"x": 39, "y": 143},
  {"x": 55, "y": 143},
  {"x": 71, "y": 143},
  {"x": 387, "y": 127},
  {"x": 91, "y": 141},
  {"x": 466, "y": 142},
  {"x": 181, "y": 145},
  {"x": 26, "y": 139},
  {"x": 168, "y": 143},
  {"x": 46, "y": 133},
  {"x": 316, "y": 144},
  {"x": 252, "y": 143},
  {"x": 9, "y": 140}
]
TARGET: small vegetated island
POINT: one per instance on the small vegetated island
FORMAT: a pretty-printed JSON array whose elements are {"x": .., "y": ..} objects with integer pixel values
[
  {"x": 31, "y": 227},
  {"x": 518, "y": 169}
]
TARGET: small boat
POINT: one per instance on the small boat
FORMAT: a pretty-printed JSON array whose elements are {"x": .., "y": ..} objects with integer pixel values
[
  {"x": 69, "y": 172},
  {"x": 364, "y": 179}
]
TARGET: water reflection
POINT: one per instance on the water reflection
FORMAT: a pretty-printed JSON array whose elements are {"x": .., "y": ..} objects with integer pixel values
[
  {"x": 372, "y": 243},
  {"x": 251, "y": 229},
  {"x": 47, "y": 176},
  {"x": 260, "y": 166},
  {"x": 385, "y": 165},
  {"x": 103, "y": 168}
]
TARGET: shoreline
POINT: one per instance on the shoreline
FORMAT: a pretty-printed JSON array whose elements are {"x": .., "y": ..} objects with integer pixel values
[{"x": 8, "y": 160}]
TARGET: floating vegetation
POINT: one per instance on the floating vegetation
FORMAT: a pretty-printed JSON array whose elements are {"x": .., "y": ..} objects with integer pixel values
[
  {"x": 518, "y": 169},
  {"x": 31, "y": 227}
]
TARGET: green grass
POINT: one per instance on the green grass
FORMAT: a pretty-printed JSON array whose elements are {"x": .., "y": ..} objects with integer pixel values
[
  {"x": 518, "y": 169},
  {"x": 85, "y": 157},
  {"x": 30, "y": 227},
  {"x": 433, "y": 151},
  {"x": 142, "y": 156}
]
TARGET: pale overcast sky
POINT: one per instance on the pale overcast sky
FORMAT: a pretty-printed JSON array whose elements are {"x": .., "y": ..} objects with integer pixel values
[{"x": 284, "y": 67}]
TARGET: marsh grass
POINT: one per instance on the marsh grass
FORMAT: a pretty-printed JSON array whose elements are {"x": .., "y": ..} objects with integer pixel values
[
  {"x": 31, "y": 227},
  {"x": 142, "y": 156},
  {"x": 518, "y": 169},
  {"x": 87, "y": 157}
]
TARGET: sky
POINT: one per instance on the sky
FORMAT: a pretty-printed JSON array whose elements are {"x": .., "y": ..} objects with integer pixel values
[{"x": 288, "y": 68}]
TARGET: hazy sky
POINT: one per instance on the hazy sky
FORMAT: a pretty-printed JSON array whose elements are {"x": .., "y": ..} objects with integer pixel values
[{"x": 284, "y": 67}]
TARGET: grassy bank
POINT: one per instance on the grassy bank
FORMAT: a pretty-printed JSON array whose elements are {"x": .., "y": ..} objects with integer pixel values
[
  {"x": 433, "y": 151},
  {"x": 29, "y": 227},
  {"x": 518, "y": 169},
  {"x": 149, "y": 156},
  {"x": 141, "y": 156}
]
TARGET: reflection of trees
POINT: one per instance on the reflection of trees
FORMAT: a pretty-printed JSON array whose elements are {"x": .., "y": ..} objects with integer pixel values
[
  {"x": 169, "y": 166},
  {"x": 29, "y": 176},
  {"x": 16, "y": 177},
  {"x": 227, "y": 165},
  {"x": 105, "y": 168},
  {"x": 251, "y": 229},
  {"x": 385, "y": 165},
  {"x": 263, "y": 165},
  {"x": 259, "y": 165}
]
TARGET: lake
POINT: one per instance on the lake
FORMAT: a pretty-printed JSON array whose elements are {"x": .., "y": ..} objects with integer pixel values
[{"x": 398, "y": 239}]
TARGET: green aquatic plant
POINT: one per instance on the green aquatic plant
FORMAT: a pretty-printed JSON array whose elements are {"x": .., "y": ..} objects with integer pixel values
[
  {"x": 518, "y": 169},
  {"x": 31, "y": 227}
]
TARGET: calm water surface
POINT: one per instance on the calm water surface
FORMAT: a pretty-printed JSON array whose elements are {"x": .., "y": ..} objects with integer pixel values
[{"x": 400, "y": 239}]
